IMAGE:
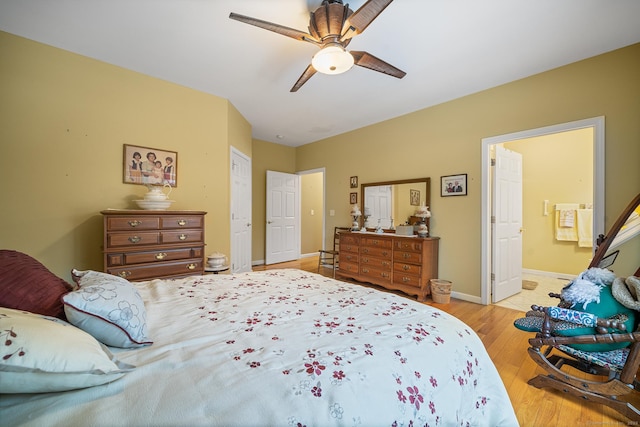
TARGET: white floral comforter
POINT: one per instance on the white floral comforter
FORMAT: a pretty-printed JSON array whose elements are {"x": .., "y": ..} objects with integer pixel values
[{"x": 286, "y": 348}]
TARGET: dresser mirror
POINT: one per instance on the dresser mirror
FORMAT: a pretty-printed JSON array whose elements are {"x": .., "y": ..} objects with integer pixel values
[
  {"x": 391, "y": 203},
  {"x": 618, "y": 250}
]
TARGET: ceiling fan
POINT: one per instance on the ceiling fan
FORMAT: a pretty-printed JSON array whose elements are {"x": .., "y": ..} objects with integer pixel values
[{"x": 331, "y": 27}]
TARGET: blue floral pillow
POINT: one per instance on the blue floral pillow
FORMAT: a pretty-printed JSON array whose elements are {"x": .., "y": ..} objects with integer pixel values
[{"x": 109, "y": 308}]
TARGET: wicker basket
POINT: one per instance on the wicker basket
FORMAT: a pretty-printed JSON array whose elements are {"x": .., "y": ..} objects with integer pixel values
[{"x": 441, "y": 291}]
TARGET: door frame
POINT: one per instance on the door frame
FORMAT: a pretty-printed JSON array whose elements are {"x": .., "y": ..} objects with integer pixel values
[
  {"x": 321, "y": 170},
  {"x": 598, "y": 124}
]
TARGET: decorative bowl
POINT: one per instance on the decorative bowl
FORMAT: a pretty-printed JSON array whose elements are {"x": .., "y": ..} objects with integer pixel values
[
  {"x": 216, "y": 259},
  {"x": 154, "y": 205}
]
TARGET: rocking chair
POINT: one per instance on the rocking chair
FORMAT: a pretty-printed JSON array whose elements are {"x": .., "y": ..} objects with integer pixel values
[{"x": 613, "y": 374}]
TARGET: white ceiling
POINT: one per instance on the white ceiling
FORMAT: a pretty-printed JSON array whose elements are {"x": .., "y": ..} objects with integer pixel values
[{"x": 449, "y": 48}]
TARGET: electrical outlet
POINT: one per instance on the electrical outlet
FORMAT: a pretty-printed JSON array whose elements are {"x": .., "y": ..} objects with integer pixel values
[{"x": 332, "y": 213}]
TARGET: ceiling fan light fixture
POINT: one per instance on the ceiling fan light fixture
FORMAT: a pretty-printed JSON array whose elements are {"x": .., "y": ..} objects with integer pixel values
[{"x": 332, "y": 59}]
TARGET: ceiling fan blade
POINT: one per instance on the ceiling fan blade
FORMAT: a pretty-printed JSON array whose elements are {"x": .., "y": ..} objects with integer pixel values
[
  {"x": 308, "y": 73},
  {"x": 361, "y": 18},
  {"x": 276, "y": 28},
  {"x": 366, "y": 60}
]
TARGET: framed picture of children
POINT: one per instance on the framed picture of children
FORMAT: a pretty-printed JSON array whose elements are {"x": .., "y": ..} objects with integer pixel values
[{"x": 150, "y": 166}]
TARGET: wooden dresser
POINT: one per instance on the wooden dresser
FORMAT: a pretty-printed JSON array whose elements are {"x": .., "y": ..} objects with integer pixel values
[
  {"x": 146, "y": 244},
  {"x": 402, "y": 263}
]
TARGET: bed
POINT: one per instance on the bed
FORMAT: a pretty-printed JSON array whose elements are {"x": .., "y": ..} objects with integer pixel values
[{"x": 279, "y": 348}]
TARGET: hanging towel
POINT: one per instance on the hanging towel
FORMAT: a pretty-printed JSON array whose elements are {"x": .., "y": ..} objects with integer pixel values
[
  {"x": 566, "y": 233},
  {"x": 567, "y": 218},
  {"x": 585, "y": 227}
]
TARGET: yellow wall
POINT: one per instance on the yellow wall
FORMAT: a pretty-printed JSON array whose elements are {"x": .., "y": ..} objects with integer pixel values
[
  {"x": 446, "y": 139},
  {"x": 63, "y": 121},
  {"x": 557, "y": 168}
]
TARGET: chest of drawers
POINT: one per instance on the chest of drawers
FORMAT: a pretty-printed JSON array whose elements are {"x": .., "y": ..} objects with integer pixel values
[
  {"x": 394, "y": 262},
  {"x": 144, "y": 245}
]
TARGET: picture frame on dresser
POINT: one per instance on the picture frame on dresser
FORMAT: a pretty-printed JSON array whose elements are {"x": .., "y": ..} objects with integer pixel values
[{"x": 149, "y": 166}]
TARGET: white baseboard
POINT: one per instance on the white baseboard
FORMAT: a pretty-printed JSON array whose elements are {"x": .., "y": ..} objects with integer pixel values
[{"x": 466, "y": 297}]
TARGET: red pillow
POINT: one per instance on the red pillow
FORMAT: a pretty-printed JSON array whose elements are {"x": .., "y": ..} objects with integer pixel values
[{"x": 26, "y": 284}]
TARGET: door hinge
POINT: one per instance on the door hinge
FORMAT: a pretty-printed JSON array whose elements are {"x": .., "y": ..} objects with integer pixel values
[
  {"x": 493, "y": 219},
  {"x": 493, "y": 162}
]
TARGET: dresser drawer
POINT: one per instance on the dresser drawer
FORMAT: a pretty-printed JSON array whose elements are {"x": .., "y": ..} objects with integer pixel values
[
  {"x": 350, "y": 240},
  {"x": 378, "y": 275},
  {"x": 348, "y": 257},
  {"x": 375, "y": 251},
  {"x": 412, "y": 245},
  {"x": 348, "y": 267},
  {"x": 182, "y": 236},
  {"x": 165, "y": 269},
  {"x": 115, "y": 240},
  {"x": 408, "y": 257},
  {"x": 373, "y": 262},
  {"x": 159, "y": 255},
  {"x": 123, "y": 223},
  {"x": 406, "y": 279},
  {"x": 403, "y": 268},
  {"x": 187, "y": 221},
  {"x": 348, "y": 247},
  {"x": 376, "y": 242}
]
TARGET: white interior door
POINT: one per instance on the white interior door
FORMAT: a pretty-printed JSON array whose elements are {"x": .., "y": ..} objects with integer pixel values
[
  {"x": 283, "y": 217},
  {"x": 507, "y": 226},
  {"x": 379, "y": 200},
  {"x": 240, "y": 212}
]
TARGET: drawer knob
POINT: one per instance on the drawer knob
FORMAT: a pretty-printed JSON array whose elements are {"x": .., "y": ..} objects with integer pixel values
[
  {"x": 406, "y": 255},
  {"x": 365, "y": 250},
  {"x": 182, "y": 222},
  {"x": 406, "y": 267},
  {"x": 406, "y": 279},
  {"x": 182, "y": 237},
  {"x": 124, "y": 274},
  {"x": 161, "y": 256},
  {"x": 386, "y": 263},
  {"x": 191, "y": 266},
  {"x": 385, "y": 275},
  {"x": 135, "y": 239},
  {"x": 134, "y": 223},
  {"x": 365, "y": 270},
  {"x": 385, "y": 253}
]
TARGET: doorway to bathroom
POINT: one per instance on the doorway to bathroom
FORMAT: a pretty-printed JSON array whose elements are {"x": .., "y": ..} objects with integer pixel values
[{"x": 594, "y": 128}]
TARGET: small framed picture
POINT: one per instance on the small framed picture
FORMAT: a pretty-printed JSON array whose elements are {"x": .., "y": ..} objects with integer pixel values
[
  {"x": 353, "y": 198},
  {"x": 149, "y": 166},
  {"x": 453, "y": 185},
  {"x": 414, "y": 197},
  {"x": 353, "y": 182}
]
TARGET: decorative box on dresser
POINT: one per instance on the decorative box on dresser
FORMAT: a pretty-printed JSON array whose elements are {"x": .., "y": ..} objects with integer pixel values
[
  {"x": 404, "y": 263},
  {"x": 148, "y": 244}
]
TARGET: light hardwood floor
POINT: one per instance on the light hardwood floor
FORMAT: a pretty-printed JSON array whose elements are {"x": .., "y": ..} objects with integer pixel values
[{"x": 507, "y": 347}]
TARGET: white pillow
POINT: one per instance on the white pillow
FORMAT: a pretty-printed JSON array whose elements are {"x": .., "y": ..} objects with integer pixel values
[
  {"x": 109, "y": 308},
  {"x": 45, "y": 354}
]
